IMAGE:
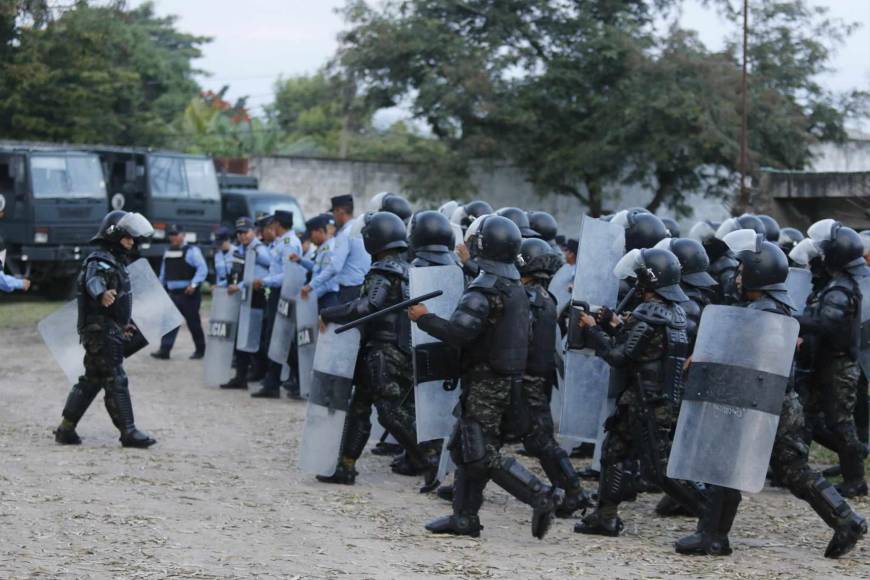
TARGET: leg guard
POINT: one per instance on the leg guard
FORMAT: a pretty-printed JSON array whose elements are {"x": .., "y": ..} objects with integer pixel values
[
  {"x": 848, "y": 526},
  {"x": 120, "y": 408},
  {"x": 711, "y": 538},
  {"x": 518, "y": 481},
  {"x": 562, "y": 474},
  {"x": 467, "y": 499},
  {"x": 80, "y": 398}
]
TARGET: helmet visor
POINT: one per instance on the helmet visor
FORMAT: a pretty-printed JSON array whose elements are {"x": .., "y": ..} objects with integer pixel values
[
  {"x": 448, "y": 208},
  {"x": 664, "y": 244},
  {"x": 821, "y": 230},
  {"x": 701, "y": 232},
  {"x": 743, "y": 241},
  {"x": 458, "y": 215},
  {"x": 135, "y": 225},
  {"x": 805, "y": 251},
  {"x": 474, "y": 227},
  {"x": 728, "y": 226},
  {"x": 357, "y": 225},
  {"x": 628, "y": 266},
  {"x": 377, "y": 201},
  {"x": 621, "y": 218}
]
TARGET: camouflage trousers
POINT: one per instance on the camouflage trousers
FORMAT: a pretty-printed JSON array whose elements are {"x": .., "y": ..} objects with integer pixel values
[
  {"x": 383, "y": 380},
  {"x": 484, "y": 405},
  {"x": 103, "y": 362},
  {"x": 831, "y": 395},
  {"x": 790, "y": 456},
  {"x": 642, "y": 428},
  {"x": 541, "y": 440}
]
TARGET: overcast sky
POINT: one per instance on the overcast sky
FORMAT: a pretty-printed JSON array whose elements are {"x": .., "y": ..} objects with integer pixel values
[{"x": 256, "y": 41}]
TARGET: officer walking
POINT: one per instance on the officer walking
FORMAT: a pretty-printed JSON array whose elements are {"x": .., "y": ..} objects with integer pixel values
[
  {"x": 105, "y": 305},
  {"x": 382, "y": 377},
  {"x": 182, "y": 272},
  {"x": 491, "y": 327},
  {"x": 285, "y": 244},
  {"x": 350, "y": 262},
  {"x": 10, "y": 283},
  {"x": 649, "y": 349}
]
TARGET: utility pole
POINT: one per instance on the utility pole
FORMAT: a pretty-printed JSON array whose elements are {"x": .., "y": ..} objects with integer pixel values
[{"x": 744, "y": 197}]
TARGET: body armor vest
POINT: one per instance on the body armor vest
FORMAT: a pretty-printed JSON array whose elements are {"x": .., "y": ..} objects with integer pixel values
[
  {"x": 116, "y": 278},
  {"x": 394, "y": 327},
  {"x": 504, "y": 345},
  {"x": 541, "y": 360},
  {"x": 175, "y": 266},
  {"x": 664, "y": 375},
  {"x": 847, "y": 339}
]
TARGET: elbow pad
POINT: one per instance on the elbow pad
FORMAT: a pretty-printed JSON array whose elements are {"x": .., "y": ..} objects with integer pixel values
[{"x": 637, "y": 338}]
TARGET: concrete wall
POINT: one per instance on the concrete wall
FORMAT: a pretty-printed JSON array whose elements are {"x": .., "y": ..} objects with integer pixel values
[{"x": 313, "y": 181}]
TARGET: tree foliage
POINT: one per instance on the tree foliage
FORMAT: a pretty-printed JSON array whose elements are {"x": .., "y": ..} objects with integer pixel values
[
  {"x": 93, "y": 73},
  {"x": 586, "y": 94}
]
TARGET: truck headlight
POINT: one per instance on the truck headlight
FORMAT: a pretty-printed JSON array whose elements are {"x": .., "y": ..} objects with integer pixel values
[{"x": 40, "y": 237}]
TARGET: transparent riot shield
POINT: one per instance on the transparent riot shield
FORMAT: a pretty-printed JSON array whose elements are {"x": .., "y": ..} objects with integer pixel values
[
  {"x": 458, "y": 235},
  {"x": 436, "y": 365},
  {"x": 284, "y": 328},
  {"x": 733, "y": 397},
  {"x": 307, "y": 329},
  {"x": 800, "y": 285},
  {"x": 250, "y": 318},
  {"x": 223, "y": 320},
  {"x": 560, "y": 286},
  {"x": 153, "y": 313},
  {"x": 328, "y": 400},
  {"x": 601, "y": 246},
  {"x": 864, "y": 345}
]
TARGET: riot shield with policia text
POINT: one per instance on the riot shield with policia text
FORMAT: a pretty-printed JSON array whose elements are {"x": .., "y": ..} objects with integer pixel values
[
  {"x": 220, "y": 333},
  {"x": 284, "y": 327}
]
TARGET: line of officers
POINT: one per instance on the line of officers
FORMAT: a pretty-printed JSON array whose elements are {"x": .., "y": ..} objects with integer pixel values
[{"x": 503, "y": 328}]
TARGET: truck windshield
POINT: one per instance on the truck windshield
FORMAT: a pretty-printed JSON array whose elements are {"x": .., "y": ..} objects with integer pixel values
[
  {"x": 268, "y": 206},
  {"x": 67, "y": 176},
  {"x": 182, "y": 178}
]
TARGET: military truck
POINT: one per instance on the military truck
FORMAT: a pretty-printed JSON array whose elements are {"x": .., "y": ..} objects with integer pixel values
[
  {"x": 240, "y": 197},
  {"x": 168, "y": 188},
  {"x": 52, "y": 199}
]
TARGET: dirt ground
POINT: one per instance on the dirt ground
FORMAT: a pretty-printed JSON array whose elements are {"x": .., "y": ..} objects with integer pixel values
[{"x": 220, "y": 497}]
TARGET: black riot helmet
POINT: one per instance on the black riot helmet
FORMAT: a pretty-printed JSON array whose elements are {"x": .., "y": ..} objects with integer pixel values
[
  {"x": 656, "y": 270},
  {"x": 694, "y": 262},
  {"x": 789, "y": 238},
  {"x": 520, "y": 218},
  {"x": 642, "y": 229},
  {"x": 496, "y": 238},
  {"x": 119, "y": 224},
  {"x": 383, "y": 231},
  {"x": 745, "y": 222},
  {"x": 430, "y": 231},
  {"x": 763, "y": 264},
  {"x": 841, "y": 246},
  {"x": 538, "y": 259},
  {"x": 465, "y": 214},
  {"x": 543, "y": 223},
  {"x": 672, "y": 226},
  {"x": 393, "y": 203},
  {"x": 771, "y": 228}
]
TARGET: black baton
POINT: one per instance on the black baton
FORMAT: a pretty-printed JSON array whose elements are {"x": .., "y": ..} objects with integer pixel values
[{"x": 387, "y": 310}]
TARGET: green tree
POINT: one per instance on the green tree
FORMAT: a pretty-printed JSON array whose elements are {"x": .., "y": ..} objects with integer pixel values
[
  {"x": 96, "y": 73},
  {"x": 588, "y": 93}
]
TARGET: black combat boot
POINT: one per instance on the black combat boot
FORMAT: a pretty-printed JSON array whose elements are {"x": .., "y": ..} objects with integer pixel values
[
  {"x": 270, "y": 388},
  {"x": 518, "y": 481},
  {"x": 120, "y": 408},
  {"x": 382, "y": 448},
  {"x": 77, "y": 402},
  {"x": 668, "y": 507},
  {"x": 852, "y": 468},
  {"x": 605, "y": 521},
  {"x": 237, "y": 382},
  {"x": 562, "y": 474},
  {"x": 445, "y": 492},
  {"x": 421, "y": 459},
  {"x": 467, "y": 499},
  {"x": 848, "y": 526},
  {"x": 717, "y": 517},
  {"x": 599, "y": 523},
  {"x": 345, "y": 474},
  {"x": 291, "y": 385}
]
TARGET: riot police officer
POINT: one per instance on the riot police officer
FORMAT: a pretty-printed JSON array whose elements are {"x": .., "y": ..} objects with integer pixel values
[
  {"x": 695, "y": 281},
  {"x": 491, "y": 327},
  {"x": 464, "y": 215},
  {"x": 382, "y": 378},
  {"x": 650, "y": 350},
  {"x": 105, "y": 306},
  {"x": 761, "y": 283},
  {"x": 831, "y": 328},
  {"x": 546, "y": 226},
  {"x": 539, "y": 263},
  {"x": 723, "y": 264},
  {"x": 520, "y": 218}
]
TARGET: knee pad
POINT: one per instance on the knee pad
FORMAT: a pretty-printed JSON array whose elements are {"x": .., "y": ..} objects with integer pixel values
[{"x": 472, "y": 441}]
